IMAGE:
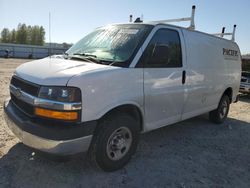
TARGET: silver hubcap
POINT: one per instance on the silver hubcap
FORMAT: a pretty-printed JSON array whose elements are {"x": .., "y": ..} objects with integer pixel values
[
  {"x": 223, "y": 109},
  {"x": 119, "y": 143}
]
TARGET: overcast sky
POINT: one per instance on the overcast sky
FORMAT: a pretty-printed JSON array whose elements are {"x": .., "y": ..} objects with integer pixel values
[{"x": 72, "y": 19}]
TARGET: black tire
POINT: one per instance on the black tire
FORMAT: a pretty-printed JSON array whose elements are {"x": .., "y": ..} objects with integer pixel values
[
  {"x": 220, "y": 114},
  {"x": 109, "y": 143}
]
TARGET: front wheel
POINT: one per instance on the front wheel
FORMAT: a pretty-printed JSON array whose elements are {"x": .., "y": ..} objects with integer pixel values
[
  {"x": 115, "y": 142},
  {"x": 220, "y": 114}
]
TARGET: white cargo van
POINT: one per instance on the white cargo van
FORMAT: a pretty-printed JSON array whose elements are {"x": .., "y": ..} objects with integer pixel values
[{"x": 117, "y": 82}]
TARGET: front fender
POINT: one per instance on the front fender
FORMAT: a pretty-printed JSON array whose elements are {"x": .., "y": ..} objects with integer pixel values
[{"x": 104, "y": 90}]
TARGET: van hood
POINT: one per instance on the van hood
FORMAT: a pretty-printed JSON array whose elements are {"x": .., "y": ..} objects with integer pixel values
[{"x": 55, "y": 71}]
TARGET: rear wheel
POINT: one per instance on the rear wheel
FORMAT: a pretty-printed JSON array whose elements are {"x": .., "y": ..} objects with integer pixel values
[
  {"x": 115, "y": 142},
  {"x": 220, "y": 114}
]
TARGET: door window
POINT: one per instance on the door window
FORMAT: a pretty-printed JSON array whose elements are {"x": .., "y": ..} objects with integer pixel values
[{"x": 164, "y": 50}]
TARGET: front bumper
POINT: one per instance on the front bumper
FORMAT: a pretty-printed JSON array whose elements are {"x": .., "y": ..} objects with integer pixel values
[{"x": 50, "y": 139}]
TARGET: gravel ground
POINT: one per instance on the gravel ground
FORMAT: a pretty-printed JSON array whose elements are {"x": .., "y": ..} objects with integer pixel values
[{"x": 193, "y": 153}]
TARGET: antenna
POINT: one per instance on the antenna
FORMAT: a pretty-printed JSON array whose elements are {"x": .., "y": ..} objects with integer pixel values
[
  {"x": 49, "y": 35},
  {"x": 130, "y": 18}
]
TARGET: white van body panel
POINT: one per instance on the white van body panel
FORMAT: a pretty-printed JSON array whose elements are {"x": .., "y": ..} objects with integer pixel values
[
  {"x": 105, "y": 90},
  {"x": 209, "y": 72}
]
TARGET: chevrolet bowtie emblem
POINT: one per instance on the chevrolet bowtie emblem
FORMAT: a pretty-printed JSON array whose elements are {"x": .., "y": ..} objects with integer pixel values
[{"x": 18, "y": 92}]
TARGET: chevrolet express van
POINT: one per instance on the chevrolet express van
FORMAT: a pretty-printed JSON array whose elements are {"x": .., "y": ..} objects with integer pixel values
[{"x": 117, "y": 82}]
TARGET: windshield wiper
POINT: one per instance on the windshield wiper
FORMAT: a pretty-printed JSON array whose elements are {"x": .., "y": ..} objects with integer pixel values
[
  {"x": 85, "y": 56},
  {"x": 92, "y": 58}
]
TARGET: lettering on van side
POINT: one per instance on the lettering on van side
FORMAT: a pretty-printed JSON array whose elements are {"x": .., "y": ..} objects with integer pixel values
[{"x": 230, "y": 54}]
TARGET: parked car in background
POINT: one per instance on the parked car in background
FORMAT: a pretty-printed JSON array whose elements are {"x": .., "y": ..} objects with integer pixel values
[{"x": 245, "y": 82}]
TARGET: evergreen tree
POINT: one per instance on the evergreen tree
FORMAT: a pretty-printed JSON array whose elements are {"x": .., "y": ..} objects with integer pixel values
[
  {"x": 29, "y": 34},
  {"x": 5, "y": 35},
  {"x": 13, "y": 36},
  {"x": 34, "y": 35},
  {"x": 22, "y": 34},
  {"x": 41, "y": 38}
]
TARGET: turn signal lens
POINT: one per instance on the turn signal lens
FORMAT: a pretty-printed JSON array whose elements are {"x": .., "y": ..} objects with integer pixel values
[{"x": 70, "y": 116}]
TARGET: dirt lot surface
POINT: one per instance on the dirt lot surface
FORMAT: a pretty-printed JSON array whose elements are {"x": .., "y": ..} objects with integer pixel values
[{"x": 193, "y": 153}]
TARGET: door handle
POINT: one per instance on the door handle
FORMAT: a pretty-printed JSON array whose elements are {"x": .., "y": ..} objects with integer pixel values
[{"x": 183, "y": 77}]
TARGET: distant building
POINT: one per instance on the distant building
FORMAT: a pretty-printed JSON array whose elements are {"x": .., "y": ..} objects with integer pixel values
[
  {"x": 31, "y": 51},
  {"x": 58, "y": 45}
]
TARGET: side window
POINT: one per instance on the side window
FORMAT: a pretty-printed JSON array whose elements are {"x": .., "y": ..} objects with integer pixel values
[{"x": 164, "y": 50}]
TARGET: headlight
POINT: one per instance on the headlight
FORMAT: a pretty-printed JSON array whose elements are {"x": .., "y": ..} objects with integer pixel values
[
  {"x": 61, "y": 94},
  {"x": 60, "y": 103}
]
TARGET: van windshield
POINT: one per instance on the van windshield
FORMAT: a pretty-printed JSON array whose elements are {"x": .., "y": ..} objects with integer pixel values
[{"x": 111, "y": 44}]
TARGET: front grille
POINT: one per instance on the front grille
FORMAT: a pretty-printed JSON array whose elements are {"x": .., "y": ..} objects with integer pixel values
[
  {"x": 25, "y": 86},
  {"x": 23, "y": 106}
]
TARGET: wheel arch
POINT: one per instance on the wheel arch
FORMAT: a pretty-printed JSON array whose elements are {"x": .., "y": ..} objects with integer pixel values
[
  {"x": 130, "y": 109},
  {"x": 229, "y": 93}
]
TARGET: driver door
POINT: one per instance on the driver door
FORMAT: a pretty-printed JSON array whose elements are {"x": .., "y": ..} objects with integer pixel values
[{"x": 164, "y": 79}]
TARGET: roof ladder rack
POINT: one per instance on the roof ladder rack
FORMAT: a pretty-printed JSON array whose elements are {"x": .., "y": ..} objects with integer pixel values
[
  {"x": 222, "y": 34},
  {"x": 191, "y": 19}
]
